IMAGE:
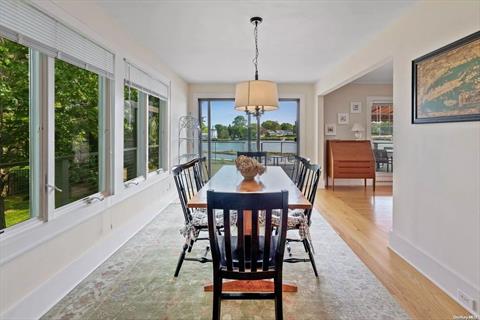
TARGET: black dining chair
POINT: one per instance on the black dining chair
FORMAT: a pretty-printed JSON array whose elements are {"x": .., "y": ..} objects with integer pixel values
[
  {"x": 188, "y": 183},
  {"x": 243, "y": 255},
  {"x": 258, "y": 155},
  {"x": 201, "y": 172},
  {"x": 381, "y": 158},
  {"x": 299, "y": 169},
  {"x": 301, "y": 219}
]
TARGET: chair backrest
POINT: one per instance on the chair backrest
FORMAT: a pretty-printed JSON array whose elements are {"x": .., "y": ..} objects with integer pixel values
[
  {"x": 299, "y": 169},
  {"x": 186, "y": 181},
  {"x": 310, "y": 185},
  {"x": 201, "y": 172},
  {"x": 255, "y": 252},
  {"x": 258, "y": 155},
  {"x": 380, "y": 154}
]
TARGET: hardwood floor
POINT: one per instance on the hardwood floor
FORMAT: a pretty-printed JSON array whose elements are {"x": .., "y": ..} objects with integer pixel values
[{"x": 363, "y": 220}]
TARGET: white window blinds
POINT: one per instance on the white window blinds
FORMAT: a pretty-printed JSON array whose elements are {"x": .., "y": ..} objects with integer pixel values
[
  {"x": 142, "y": 80},
  {"x": 27, "y": 25}
]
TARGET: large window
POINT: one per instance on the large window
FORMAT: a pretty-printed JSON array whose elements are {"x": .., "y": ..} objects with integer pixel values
[
  {"x": 144, "y": 123},
  {"x": 226, "y": 131},
  {"x": 130, "y": 134},
  {"x": 77, "y": 133},
  {"x": 15, "y": 121}
]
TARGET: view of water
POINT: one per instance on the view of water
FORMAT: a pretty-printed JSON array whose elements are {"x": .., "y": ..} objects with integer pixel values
[{"x": 226, "y": 150}]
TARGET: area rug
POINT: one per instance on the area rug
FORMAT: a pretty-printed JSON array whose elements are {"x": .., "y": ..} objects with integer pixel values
[{"x": 137, "y": 282}]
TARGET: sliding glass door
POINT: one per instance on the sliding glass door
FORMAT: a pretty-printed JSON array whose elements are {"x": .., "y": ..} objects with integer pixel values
[{"x": 226, "y": 131}]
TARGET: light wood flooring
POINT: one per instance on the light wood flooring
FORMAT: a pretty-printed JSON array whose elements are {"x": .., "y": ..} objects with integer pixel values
[{"x": 363, "y": 220}]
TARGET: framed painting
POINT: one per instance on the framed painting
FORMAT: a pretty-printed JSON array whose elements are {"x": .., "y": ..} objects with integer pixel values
[
  {"x": 445, "y": 83},
  {"x": 343, "y": 118},
  {"x": 355, "y": 107},
  {"x": 330, "y": 129}
]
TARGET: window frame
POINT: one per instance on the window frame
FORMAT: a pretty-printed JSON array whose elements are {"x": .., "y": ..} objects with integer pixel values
[
  {"x": 142, "y": 136},
  {"x": 105, "y": 168},
  {"x": 36, "y": 121},
  {"x": 161, "y": 127}
]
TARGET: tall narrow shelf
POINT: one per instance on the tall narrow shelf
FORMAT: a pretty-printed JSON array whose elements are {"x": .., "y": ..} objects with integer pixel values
[{"x": 188, "y": 138}]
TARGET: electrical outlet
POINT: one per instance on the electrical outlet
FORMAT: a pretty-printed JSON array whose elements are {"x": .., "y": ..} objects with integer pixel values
[{"x": 465, "y": 299}]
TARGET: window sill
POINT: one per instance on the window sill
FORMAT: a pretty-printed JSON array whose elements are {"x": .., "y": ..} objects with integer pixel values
[
  {"x": 20, "y": 228},
  {"x": 32, "y": 233},
  {"x": 131, "y": 190}
]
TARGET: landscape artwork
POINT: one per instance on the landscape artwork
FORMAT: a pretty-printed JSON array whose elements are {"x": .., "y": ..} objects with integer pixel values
[{"x": 446, "y": 83}]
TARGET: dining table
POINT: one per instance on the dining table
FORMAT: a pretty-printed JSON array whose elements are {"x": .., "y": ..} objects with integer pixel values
[{"x": 229, "y": 179}]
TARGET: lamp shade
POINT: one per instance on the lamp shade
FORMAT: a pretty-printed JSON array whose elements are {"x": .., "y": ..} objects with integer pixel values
[
  {"x": 250, "y": 95},
  {"x": 357, "y": 128}
]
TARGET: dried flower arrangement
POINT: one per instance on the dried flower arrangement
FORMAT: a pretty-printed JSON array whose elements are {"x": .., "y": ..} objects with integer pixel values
[{"x": 249, "y": 167}]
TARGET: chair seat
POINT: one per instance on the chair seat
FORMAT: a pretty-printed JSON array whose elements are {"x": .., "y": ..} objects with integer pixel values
[
  {"x": 235, "y": 259},
  {"x": 296, "y": 221}
]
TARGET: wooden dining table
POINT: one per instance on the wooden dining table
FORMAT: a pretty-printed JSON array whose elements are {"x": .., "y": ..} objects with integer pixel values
[{"x": 228, "y": 179}]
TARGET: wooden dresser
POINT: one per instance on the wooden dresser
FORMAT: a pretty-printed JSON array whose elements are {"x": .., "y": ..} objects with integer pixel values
[{"x": 350, "y": 159}]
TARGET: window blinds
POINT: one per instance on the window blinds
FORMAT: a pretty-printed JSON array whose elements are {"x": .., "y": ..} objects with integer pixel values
[
  {"x": 140, "y": 79},
  {"x": 27, "y": 25}
]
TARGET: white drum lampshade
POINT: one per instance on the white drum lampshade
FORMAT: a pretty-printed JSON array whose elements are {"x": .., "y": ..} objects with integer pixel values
[{"x": 250, "y": 95}]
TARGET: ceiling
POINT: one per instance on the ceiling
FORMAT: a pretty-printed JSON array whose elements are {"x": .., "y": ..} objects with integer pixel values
[
  {"x": 212, "y": 41},
  {"x": 381, "y": 75}
]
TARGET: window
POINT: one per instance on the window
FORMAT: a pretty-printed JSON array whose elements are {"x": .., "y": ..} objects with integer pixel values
[
  {"x": 156, "y": 133},
  {"x": 16, "y": 156},
  {"x": 130, "y": 134},
  {"x": 226, "y": 131},
  {"x": 54, "y": 120},
  {"x": 145, "y": 123},
  {"x": 78, "y": 120},
  {"x": 381, "y": 131}
]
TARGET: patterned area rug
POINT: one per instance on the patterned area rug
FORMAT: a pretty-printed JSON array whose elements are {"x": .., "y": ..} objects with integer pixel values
[{"x": 137, "y": 282}]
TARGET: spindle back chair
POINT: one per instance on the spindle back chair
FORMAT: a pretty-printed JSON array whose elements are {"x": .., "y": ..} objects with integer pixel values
[{"x": 244, "y": 254}]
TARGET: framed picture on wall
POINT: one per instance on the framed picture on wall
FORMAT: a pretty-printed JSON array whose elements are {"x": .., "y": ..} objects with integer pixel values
[
  {"x": 330, "y": 129},
  {"x": 355, "y": 107},
  {"x": 445, "y": 83},
  {"x": 343, "y": 118}
]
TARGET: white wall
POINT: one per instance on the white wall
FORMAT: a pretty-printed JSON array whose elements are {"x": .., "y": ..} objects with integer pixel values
[
  {"x": 304, "y": 92},
  {"x": 340, "y": 99},
  {"x": 436, "y": 208},
  {"x": 40, "y": 264}
]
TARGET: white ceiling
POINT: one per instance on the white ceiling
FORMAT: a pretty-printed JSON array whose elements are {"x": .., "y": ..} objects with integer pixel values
[
  {"x": 381, "y": 75},
  {"x": 212, "y": 41}
]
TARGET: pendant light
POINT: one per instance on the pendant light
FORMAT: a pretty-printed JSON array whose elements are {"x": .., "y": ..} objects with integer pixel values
[{"x": 256, "y": 96}]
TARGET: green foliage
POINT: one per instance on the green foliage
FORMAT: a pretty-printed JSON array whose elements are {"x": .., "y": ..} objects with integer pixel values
[
  {"x": 14, "y": 102},
  {"x": 14, "y": 125},
  {"x": 271, "y": 125},
  {"x": 222, "y": 132},
  {"x": 287, "y": 126}
]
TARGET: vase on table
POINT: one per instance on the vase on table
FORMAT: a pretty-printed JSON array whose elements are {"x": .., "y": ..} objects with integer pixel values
[{"x": 249, "y": 168}]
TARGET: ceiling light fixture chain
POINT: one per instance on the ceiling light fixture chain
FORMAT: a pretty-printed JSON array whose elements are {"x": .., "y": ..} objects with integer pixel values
[{"x": 255, "y": 60}]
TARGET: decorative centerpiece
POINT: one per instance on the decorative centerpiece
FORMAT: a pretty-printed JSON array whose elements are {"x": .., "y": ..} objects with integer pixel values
[{"x": 249, "y": 167}]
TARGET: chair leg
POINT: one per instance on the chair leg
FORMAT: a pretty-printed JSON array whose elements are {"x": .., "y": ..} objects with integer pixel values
[
  {"x": 191, "y": 245},
  {"x": 180, "y": 260},
  {"x": 305, "y": 246},
  {"x": 310, "y": 255},
  {"x": 278, "y": 298},
  {"x": 217, "y": 298}
]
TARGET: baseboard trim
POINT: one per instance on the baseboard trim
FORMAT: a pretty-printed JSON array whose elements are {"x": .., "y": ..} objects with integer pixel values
[
  {"x": 44, "y": 297},
  {"x": 443, "y": 277}
]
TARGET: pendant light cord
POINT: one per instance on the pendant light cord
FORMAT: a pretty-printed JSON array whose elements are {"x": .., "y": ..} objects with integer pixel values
[{"x": 255, "y": 60}]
